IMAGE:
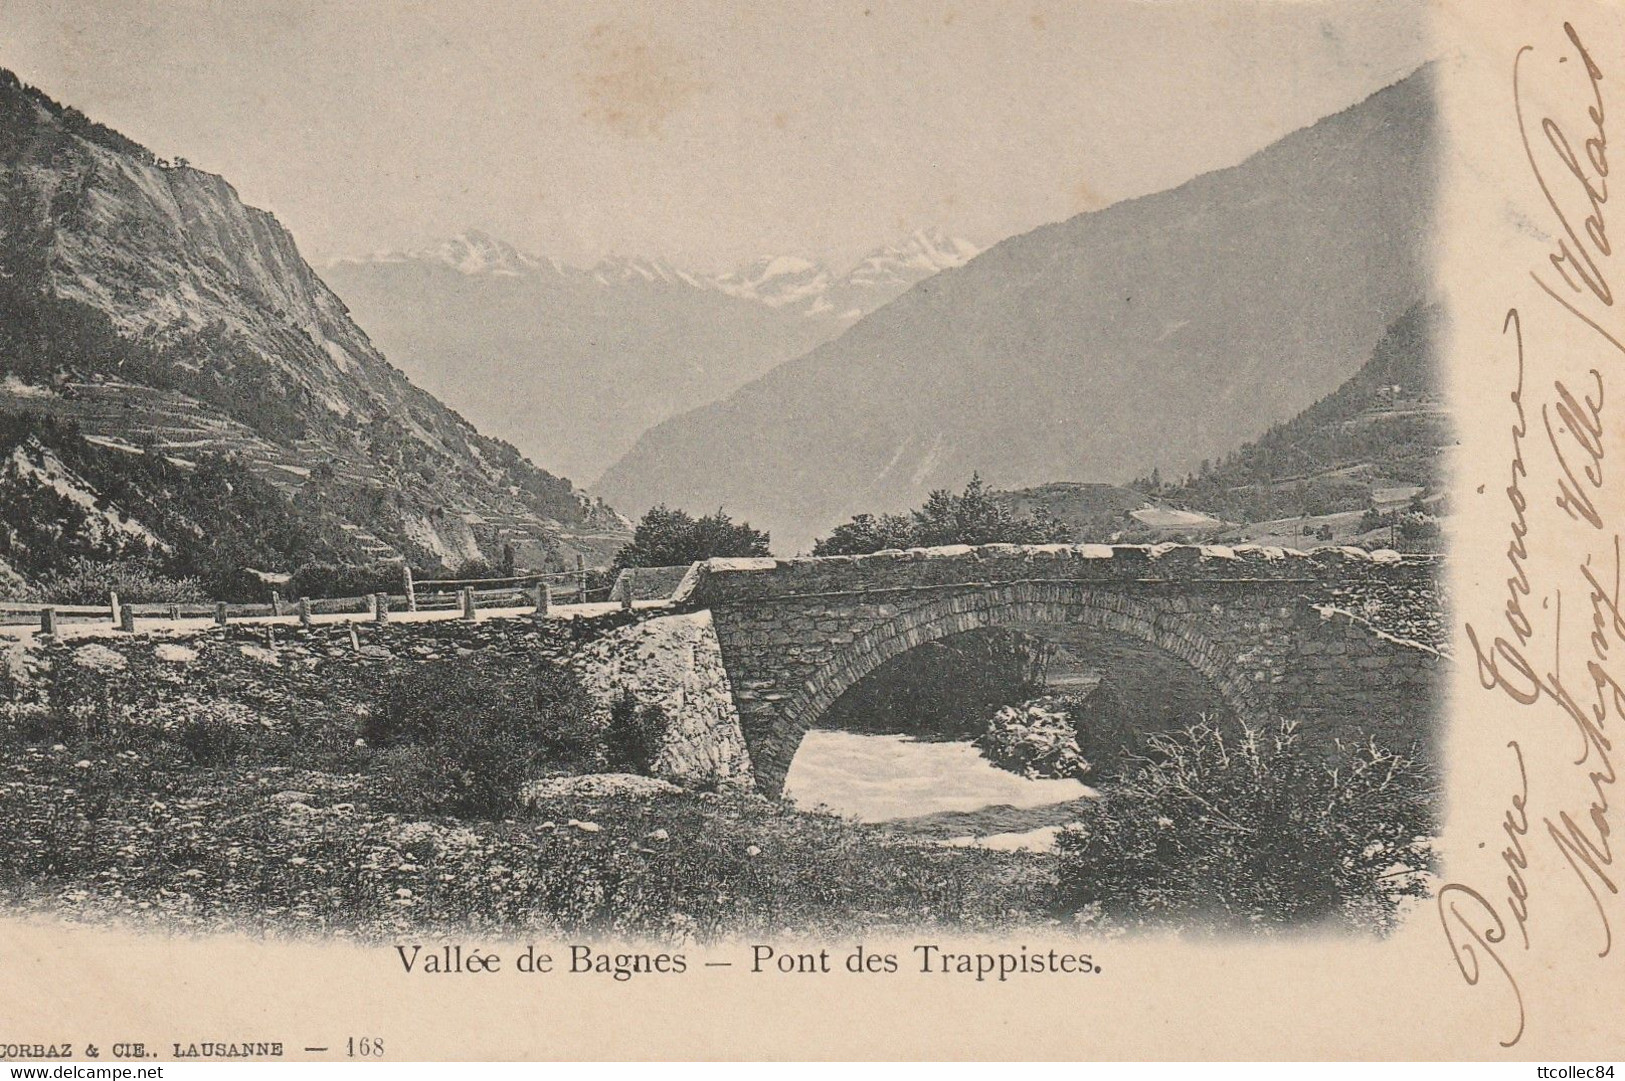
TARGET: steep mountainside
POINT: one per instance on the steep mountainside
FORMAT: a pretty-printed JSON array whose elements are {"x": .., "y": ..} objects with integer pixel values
[
  {"x": 1154, "y": 333},
  {"x": 1384, "y": 430},
  {"x": 1373, "y": 446},
  {"x": 143, "y": 302},
  {"x": 92, "y": 511},
  {"x": 572, "y": 365}
]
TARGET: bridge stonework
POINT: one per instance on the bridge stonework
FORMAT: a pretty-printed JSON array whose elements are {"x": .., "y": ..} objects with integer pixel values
[{"x": 1344, "y": 641}]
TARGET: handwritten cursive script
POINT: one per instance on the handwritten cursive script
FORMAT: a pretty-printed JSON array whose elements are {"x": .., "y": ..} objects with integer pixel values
[{"x": 1525, "y": 656}]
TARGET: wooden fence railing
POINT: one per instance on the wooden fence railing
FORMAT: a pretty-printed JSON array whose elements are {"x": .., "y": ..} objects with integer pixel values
[
  {"x": 435, "y": 592},
  {"x": 452, "y": 595}
]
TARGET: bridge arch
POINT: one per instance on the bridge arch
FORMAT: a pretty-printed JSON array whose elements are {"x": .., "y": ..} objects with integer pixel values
[{"x": 1165, "y": 624}]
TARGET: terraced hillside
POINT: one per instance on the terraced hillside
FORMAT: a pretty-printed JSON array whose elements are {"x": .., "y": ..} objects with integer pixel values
[{"x": 142, "y": 301}]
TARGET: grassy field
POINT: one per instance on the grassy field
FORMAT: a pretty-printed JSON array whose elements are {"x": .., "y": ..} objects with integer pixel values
[
  {"x": 142, "y": 836},
  {"x": 404, "y": 810}
]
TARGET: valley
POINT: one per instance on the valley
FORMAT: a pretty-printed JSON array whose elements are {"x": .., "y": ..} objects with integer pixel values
[
  {"x": 573, "y": 364},
  {"x": 1051, "y": 485}
]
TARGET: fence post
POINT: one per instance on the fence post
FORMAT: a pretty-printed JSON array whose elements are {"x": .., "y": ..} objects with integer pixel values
[
  {"x": 47, "y": 622},
  {"x": 276, "y": 603},
  {"x": 304, "y": 611},
  {"x": 380, "y": 607},
  {"x": 543, "y": 598},
  {"x": 581, "y": 579},
  {"x": 409, "y": 587},
  {"x": 469, "y": 606},
  {"x": 220, "y": 614},
  {"x": 126, "y": 619},
  {"x": 112, "y": 603},
  {"x": 630, "y": 577}
]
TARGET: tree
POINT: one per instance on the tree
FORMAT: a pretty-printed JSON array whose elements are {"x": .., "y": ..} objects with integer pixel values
[
  {"x": 976, "y": 516},
  {"x": 867, "y": 533},
  {"x": 668, "y": 537}
]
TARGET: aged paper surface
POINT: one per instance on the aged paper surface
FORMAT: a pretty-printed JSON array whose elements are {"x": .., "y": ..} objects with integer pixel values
[{"x": 1509, "y": 950}]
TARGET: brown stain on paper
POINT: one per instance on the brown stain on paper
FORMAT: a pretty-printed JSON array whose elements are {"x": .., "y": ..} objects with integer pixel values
[
  {"x": 1085, "y": 198},
  {"x": 633, "y": 82}
]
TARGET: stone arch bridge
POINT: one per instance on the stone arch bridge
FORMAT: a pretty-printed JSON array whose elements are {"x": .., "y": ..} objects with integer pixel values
[{"x": 1348, "y": 643}]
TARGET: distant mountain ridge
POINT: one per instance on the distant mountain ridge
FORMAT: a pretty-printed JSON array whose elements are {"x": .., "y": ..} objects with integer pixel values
[
  {"x": 778, "y": 281},
  {"x": 1152, "y": 334},
  {"x": 572, "y": 364},
  {"x": 144, "y": 305}
]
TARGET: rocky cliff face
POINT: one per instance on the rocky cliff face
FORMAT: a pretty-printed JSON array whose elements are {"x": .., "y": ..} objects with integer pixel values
[{"x": 238, "y": 346}]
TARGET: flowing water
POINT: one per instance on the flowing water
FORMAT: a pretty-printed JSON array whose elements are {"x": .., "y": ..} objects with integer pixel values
[{"x": 945, "y": 789}]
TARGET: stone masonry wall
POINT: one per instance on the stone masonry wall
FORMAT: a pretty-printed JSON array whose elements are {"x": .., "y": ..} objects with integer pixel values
[
  {"x": 274, "y": 674},
  {"x": 675, "y": 662},
  {"x": 280, "y": 676},
  {"x": 1346, "y": 642},
  {"x": 795, "y": 634}
]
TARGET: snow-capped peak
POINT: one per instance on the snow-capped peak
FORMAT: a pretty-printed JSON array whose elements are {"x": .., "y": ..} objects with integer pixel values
[
  {"x": 783, "y": 265},
  {"x": 476, "y": 252},
  {"x": 775, "y": 280},
  {"x": 620, "y": 268},
  {"x": 789, "y": 282},
  {"x": 923, "y": 253},
  {"x": 471, "y": 252}
]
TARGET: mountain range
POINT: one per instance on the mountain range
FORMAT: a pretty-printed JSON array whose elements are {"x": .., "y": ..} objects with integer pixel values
[
  {"x": 1152, "y": 334},
  {"x": 178, "y": 385},
  {"x": 572, "y": 364},
  {"x": 145, "y": 309}
]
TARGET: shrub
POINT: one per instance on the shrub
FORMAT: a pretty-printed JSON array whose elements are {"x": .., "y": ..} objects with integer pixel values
[
  {"x": 462, "y": 736},
  {"x": 1034, "y": 739},
  {"x": 1373, "y": 519},
  {"x": 86, "y": 581},
  {"x": 1253, "y": 830},
  {"x": 1109, "y": 732},
  {"x": 975, "y": 516},
  {"x": 1415, "y": 527},
  {"x": 208, "y": 740},
  {"x": 634, "y": 734},
  {"x": 315, "y": 580},
  {"x": 667, "y": 537}
]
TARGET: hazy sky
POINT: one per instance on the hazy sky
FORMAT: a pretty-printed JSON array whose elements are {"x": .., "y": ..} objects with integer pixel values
[{"x": 706, "y": 132}]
